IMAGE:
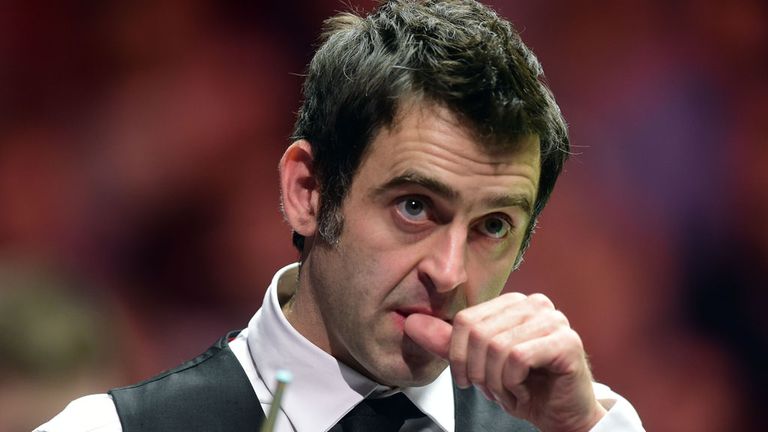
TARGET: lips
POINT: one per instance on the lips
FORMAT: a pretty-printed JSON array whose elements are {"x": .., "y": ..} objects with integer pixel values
[{"x": 406, "y": 311}]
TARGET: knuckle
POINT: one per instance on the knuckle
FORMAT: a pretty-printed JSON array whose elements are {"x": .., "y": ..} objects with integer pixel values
[
  {"x": 513, "y": 297},
  {"x": 477, "y": 334},
  {"x": 541, "y": 301},
  {"x": 560, "y": 318},
  {"x": 517, "y": 356},
  {"x": 570, "y": 342},
  {"x": 497, "y": 347},
  {"x": 458, "y": 360},
  {"x": 462, "y": 319},
  {"x": 574, "y": 339},
  {"x": 496, "y": 386}
]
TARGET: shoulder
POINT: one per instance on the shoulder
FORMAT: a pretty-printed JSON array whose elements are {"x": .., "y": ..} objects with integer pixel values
[
  {"x": 210, "y": 392},
  {"x": 92, "y": 413}
]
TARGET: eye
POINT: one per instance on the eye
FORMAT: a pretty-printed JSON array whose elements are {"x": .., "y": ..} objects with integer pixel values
[
  {"x": 494, "y": 227},
  {"x": 413, "y": 209}
]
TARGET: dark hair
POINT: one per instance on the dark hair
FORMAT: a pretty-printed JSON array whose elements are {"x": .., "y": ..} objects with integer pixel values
[{"x": 458, "y": 54}]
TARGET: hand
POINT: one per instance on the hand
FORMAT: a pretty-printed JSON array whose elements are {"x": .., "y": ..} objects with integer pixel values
[{"x": 522, "y": 353}]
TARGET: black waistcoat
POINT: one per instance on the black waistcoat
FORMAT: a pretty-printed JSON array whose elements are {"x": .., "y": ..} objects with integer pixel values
[{"x": 211, "y": 393}]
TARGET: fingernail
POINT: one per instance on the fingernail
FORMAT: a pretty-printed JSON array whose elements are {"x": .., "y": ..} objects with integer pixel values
[{"x": 463, "y": 384}]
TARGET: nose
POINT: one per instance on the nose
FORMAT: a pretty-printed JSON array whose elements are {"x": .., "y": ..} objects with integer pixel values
[{"x": 445, "y": 262}]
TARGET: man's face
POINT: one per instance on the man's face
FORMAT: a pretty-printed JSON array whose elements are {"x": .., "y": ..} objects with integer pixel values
[{"x": 432, "y": 224}]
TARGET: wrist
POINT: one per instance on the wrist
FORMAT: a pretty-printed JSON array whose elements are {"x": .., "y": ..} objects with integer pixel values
[
  {"x": 583, "y": 425},
  {"x": 598, "y": 413}
]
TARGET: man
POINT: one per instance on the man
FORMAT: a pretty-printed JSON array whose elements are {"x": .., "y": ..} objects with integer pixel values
[{"x": 425, "y": 149}]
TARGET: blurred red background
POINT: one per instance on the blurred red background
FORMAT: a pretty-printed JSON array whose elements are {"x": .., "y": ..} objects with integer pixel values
[{"x": 139, "y": 206}]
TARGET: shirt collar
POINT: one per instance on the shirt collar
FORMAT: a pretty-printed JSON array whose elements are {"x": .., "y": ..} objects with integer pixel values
[{"x": 332, "y": 387}]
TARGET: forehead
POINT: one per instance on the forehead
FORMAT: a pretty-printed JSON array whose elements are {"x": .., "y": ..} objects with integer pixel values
[{"x": 432, "y": 141}]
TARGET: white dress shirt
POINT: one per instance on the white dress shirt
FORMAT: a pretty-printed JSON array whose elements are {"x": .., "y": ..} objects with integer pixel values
[{"x": 323, "y": 390}]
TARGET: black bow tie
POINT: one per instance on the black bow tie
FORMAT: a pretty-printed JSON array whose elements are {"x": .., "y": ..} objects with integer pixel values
[{"x": 379, "y": 415}]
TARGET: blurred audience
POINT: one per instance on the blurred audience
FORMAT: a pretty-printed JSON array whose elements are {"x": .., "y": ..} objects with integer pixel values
[{"x": 56, "y": 339}]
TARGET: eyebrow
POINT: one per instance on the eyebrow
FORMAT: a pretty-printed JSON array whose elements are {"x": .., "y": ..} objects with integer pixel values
[{"x": 447, "y": 193}]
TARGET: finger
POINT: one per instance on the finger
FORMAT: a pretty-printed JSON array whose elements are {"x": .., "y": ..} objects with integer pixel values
[
  {"x": 506, "y": 322},
  {"x": 430, "y": 333},
  {"x": 538, "y": 326},
  {"x": 513, "y": 374},
  {"x": 557, "y": 354},
  {"x": 560, "y": 352},
  {"x": 501, "y": 345},
  {"x": 469, "y": 336},
  {"x": 492, "y": 327}
]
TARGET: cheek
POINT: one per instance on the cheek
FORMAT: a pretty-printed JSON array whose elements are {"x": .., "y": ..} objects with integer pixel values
[
  {"x": 489, "y": 278},
  {"x": 368, "y": 272},
  {"x": 378, "y": 251},
  {"x": 384, "y": 272}
]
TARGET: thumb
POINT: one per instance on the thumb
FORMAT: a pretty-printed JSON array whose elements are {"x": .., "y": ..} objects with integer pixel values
[{"x": 430, "y": 333}]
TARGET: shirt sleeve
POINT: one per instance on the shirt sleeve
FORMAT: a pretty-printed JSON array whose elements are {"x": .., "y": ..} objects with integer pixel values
[
  {"x": 621, "y": 416},
  {"x": 93, "y": 413}
]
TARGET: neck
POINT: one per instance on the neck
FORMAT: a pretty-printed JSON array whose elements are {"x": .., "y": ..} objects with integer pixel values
[{"x": 301, "y": 310}]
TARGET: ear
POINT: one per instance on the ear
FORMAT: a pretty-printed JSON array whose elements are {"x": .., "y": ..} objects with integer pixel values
[{"x": 300, "y": 191}]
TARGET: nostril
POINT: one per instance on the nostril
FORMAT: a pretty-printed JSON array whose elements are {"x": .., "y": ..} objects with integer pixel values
[{"x": 427, "y": 281}]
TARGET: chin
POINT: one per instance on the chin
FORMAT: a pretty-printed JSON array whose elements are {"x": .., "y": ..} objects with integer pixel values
[
  {"x": 412, "y": 369},
  {"x": 414, "y": 376}
]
